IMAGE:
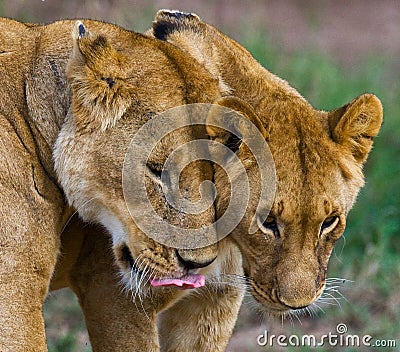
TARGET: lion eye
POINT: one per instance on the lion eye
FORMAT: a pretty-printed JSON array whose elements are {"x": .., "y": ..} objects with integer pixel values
[
  {"x": 329, "y": 224},
  {"x": 268, "y": 226},
  {"x": 109, "y": 81}
]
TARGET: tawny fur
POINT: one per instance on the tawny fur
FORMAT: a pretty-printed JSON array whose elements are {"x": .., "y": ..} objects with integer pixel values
[{"x": 116, "y": 80}]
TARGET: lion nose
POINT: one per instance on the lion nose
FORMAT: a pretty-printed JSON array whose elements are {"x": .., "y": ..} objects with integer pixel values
[
  {"x": 296, "y": 294},
  {"x": 186, "y": 259},
  {"x": 296, "y": 280}
]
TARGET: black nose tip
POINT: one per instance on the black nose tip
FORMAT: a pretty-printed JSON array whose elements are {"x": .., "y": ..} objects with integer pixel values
[{"x": 190, "y": 264}]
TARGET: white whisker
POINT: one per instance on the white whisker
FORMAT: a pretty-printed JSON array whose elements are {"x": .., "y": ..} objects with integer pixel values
[{"x": 76, "y": 212}]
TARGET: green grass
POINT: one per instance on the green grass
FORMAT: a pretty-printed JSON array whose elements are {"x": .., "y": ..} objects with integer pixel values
[
  {"x": 369, "y": 252},
  {"x": 65, "y": 327}
]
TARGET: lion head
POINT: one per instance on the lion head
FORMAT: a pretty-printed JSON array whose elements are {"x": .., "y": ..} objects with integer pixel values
[
  {"x": 118, "y": 85},
  {"x": 318, "y": 159}
]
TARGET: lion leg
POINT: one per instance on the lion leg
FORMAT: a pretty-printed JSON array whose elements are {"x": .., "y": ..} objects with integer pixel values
[
  {"x": 114, "y": 321},
  {"x": 27, "y": 259},
  {"x": 204, "y": 320},
  {"x": 31, "y": 217},
  {"x": 29, "y": 244}
]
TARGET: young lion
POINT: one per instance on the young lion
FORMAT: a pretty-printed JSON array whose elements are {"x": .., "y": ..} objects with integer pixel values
[
  {"x": 318, "y": 159},
  {"x": 85, "y": 117}
]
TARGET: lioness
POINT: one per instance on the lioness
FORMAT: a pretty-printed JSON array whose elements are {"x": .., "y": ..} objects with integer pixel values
[
  {"x": 36, "y": 100},
  {"x": 80, "y": 100},
  {"x": 318, "y": 158}
]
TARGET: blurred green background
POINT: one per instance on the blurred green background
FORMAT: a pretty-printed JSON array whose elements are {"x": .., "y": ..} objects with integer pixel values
[{"x": 331, "y": 51}]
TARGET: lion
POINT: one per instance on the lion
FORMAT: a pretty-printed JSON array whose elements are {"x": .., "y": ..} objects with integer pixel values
[
  {"x": 69, "y": 110},
  {"x": 319, "y": 156}
]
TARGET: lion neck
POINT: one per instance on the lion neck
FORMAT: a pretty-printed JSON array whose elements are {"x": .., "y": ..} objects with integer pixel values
[
  {"x": 47, "y": 91},
  {"x": 247, "y": 78},
  {"x": 238, "y": 72},
  {"x": 35, "y": 95}
]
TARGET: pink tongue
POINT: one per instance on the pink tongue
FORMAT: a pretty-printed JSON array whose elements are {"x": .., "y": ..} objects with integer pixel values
[{"x": 185, "y": 282}]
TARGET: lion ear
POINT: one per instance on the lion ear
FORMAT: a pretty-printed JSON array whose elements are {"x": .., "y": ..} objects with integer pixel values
[
  {"x": 189, "y": 33},
  {"x": 167, "y": 22},
  {"x": 99, "y": 95},
  {"x": 356, "y": 124},
  {"x": 224, "y": 112}
]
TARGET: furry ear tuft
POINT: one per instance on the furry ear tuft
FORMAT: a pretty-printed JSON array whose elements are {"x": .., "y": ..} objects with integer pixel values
[
  {"x": 356, "y": 124},
  {"x": 188, "y": 32},
  {"x": 173, "y": 15},
  {"x": 167, "y": 22},
  {"x": 99, "y": 96}
]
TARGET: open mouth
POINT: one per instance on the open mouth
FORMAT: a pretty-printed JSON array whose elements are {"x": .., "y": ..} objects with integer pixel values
[{"x": 187, "y": 281}]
